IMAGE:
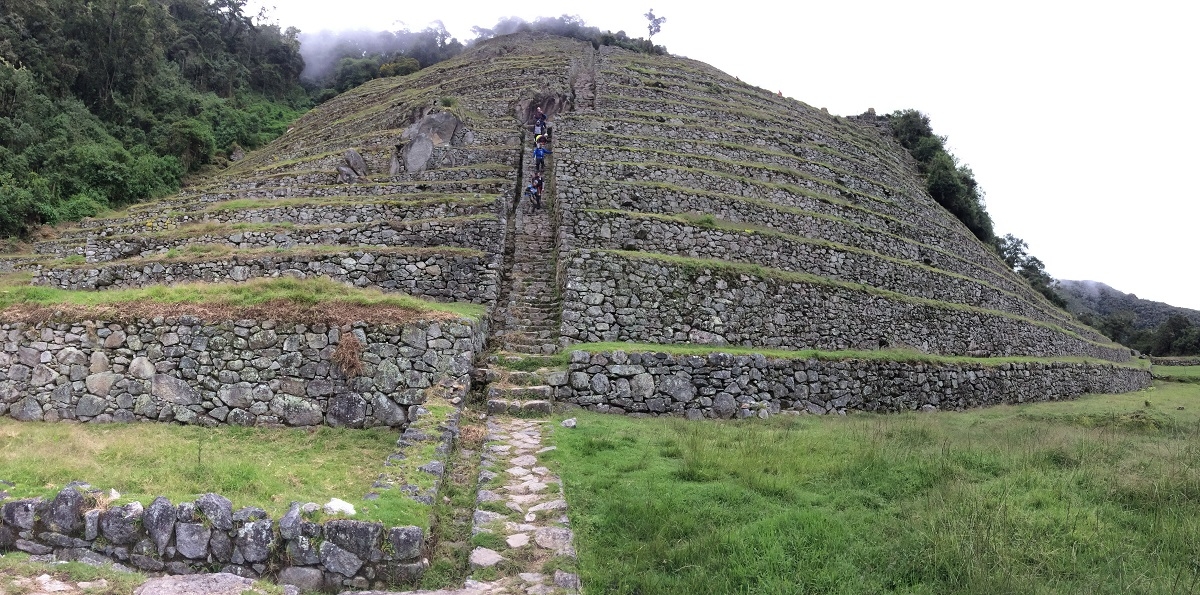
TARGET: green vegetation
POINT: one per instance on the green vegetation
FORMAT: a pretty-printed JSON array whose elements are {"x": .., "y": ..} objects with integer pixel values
[
  {"x": 1178, "y": 373},
  {"x": 451, "y": 539},
  {"x": 706, "y": 266},
  {"x": 573, "y": 27},
  {"x": 887, "y": 355},
  {"x": 101, "y": 107},
  {"x": 15, "y": 566},
  {"x": 954, "y": 187},
  {"x": 1099, "y": 495},
  {"x": 268, "y": 468},
  {"x": 1177, "y": 335},
  {"x": 276, "y": 292}
]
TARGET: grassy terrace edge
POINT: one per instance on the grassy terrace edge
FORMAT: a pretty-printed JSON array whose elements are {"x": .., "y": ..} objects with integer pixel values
[
  {"x": 884, "y": 355},
  {"x": 285, "y": 296},
  {"x": 209, "y": 252},
  {"x": 201, "y": 228},
  {"x": 751, "y": 229},
  {"x": 792, "y": 276}
]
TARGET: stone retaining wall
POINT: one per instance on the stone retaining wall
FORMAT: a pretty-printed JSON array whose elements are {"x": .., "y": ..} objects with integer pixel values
[
  {"x": 300, "y": 214},
  {"x": 752, "y": 179},
  {"x": 379, "y": 159},
  {"x": 615, "y": 297},
  {"x": 319, "y": 186},
  {"x": 244, "y": 372},
  {"x": 720, "y": 385},
  {"x": 604, "y": 230},
  {"x": 599, "y": 194},
  {"x": 594, "y": 176},
  {"x": 884, "y": 199},
  {"x": 481, "y": 233},
  {"x": 446, "y": 277},
  {"x": 1175, "y": 361},
  {"x": 208, "y": 535},
  {"x": 806, "y": 144}
]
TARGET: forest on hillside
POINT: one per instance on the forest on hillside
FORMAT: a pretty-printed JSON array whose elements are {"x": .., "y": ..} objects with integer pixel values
[{"x": 109, "y": 102}]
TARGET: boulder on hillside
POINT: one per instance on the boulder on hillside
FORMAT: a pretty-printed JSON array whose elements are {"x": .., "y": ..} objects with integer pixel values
[{"x": 356, "y": 162}]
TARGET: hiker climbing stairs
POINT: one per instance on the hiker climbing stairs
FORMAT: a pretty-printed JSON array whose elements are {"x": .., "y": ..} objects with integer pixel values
[{"x": 529, "y": 318}]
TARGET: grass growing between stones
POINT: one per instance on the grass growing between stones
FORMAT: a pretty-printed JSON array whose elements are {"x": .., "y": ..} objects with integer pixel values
[
  {"x": 286, "y": 297},
  {"x": 268, "y": 468},
  {"x": 16, "y": 570},
  {"x": 1098, "y": 495},
  {"x": 887, "y": 355},
  {"x": 452, "y": 512}
]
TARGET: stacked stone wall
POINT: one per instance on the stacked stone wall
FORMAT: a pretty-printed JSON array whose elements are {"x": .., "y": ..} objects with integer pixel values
[
  {"x": 244, "y": 372},
  {"x": 721, "y": 385},
  {"x": 304, "y": 185},
  {"x": 618, "y": 231},
  {"x": 597, "y": 194},
  {"x": 349, "y": 213},
  {"x": 379, "y": 159},
  {"x": 612, "y": 297},
  {"x": 867, "y": 222},
  {"x": 767, "y": 167},
  {"x": 481, "y": 233},
  {"x": 424, "y": 272},
  {"x": 878, "y": 179},
  {"x": 1175, "y": 361},
  {"x": 749, "y": 178},
  {"x": 207, "y": 534}
]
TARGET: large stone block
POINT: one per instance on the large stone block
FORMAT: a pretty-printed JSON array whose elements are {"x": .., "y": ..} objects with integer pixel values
[
  {"x": 65, "y": 513},
  {"x": 174, "y": 390}
]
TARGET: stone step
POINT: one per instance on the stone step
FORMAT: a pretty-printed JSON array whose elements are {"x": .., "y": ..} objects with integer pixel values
[
  {"x": 533, "y": 408},
  {"x": 509, "y": 392}
]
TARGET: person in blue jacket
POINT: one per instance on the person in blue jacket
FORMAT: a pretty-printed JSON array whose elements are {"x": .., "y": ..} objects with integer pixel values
[{"x": 539, "y": 158}]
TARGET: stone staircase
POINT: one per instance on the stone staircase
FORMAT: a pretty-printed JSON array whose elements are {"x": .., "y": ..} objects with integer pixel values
[
  {"x": 518, "y": 393},
  {"x": 528, "y": 322}
]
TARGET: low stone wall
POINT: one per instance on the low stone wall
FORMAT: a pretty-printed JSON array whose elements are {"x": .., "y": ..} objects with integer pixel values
[
  {"x": 606, "y": 230},
  {"x": 447, "y": 277},
  {"x": 316, "y": 186},
  {"x": 1175, "y": 361},
  {"x": 883, "y": 181},
  {"x": 763, "y": 123},
  {"x": 244, "y": 372},
  {"x": 616, "y": 297},
  {"x": 479, "y": 232},
  {"x": 300, "y": 214},
  {"x": 379, "y": 157},
  {"x": 720, "y": 385},
  {"x": 208, "y": 535}
]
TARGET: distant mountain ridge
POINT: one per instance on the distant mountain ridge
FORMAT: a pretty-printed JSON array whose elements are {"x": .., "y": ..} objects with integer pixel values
[{"x": 1098, "y": 299}]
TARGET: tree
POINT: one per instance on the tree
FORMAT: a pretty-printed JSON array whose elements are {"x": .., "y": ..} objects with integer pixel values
[
  {"x": 655, "y": 23},
  {"x": 1013, "y": 251}
]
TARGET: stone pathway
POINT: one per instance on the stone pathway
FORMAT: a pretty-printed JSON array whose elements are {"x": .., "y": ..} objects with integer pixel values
[
  {"x": 522, "y": 504},
  {"x": 521, "y": 508}
]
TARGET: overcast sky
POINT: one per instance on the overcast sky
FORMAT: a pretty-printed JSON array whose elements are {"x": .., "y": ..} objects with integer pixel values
[{"x": 1076, "y": 117}]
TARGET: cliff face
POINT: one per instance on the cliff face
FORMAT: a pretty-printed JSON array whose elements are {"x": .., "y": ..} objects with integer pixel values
[{"x": 681, "y": 207}]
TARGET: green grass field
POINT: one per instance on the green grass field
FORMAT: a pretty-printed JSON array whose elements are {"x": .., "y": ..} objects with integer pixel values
[
  {"x": 1178, "y": 373},
  {"x": 1097, "y": 495},
  {"x": 268, "y": 468}
]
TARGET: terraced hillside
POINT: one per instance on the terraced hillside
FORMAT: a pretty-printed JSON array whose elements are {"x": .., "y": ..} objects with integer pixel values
[
  {"x": 708, "y": 249},
  {"x": 686, "y": 208}
]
